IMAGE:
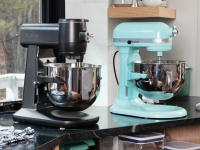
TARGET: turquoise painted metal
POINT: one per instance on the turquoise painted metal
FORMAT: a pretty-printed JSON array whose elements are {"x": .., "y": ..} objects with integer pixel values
[
  {"x": 127, "y": 101},
  {"x": 122, "y": 121}
]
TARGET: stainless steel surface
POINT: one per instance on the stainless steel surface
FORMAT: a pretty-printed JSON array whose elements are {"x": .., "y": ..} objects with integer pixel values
[
  {"x": 82, "y": 85},
  {"x": 160, "y": 58},
  {"x": 167, "y": 75},
  {"x": 174, "y": 31},
  {"x": 135, "y": 3},
  {"x": 35, "y": 83},
  {"x": 79, "y": 64},
  {"x": 197, "y": 106},
  {"x": 169, "y": 78},
  {"x": 88, "y": 36}
]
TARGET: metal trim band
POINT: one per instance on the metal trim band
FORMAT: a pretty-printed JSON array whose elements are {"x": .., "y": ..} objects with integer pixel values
[{"x": 125, "y": 40}]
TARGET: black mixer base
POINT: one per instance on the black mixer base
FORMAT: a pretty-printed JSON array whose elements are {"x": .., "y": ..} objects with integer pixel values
[{"x": 55, "y": 118}]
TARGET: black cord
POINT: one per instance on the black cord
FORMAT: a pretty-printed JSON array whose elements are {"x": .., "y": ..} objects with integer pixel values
[{"x": 114, "y": 67}]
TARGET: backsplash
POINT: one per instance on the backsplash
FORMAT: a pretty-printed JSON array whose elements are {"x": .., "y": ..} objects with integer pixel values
[
  {"x": 101, "y": 50},
  {"x": 185, "y": 45}
]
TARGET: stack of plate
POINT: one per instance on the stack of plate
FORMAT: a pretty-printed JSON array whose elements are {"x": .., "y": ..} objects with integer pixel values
[
  {"x": 149, "y": 3},
  {"x": 122, "y": 3}
]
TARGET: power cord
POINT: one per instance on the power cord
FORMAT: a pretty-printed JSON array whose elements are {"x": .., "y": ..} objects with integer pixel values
[{"x": 114, "y": 67}]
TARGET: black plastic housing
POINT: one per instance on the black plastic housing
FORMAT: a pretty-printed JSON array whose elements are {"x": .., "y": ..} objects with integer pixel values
[
  {"x": 70, "y": 42},
  {"x": 40, "y": 34},
  {"x": 67, "y": 36}
]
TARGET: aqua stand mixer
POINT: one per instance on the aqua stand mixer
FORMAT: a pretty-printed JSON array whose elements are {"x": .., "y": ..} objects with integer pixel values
[{"x": 156, "y": 80}]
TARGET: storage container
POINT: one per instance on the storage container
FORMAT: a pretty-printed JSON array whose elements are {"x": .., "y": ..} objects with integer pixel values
[
  {"x": 179, "y": 145},
  {"x": 142, "y": 141}
]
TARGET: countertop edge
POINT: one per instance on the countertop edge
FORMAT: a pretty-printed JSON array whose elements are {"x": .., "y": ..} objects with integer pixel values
[{"x": 90, "y": 134}]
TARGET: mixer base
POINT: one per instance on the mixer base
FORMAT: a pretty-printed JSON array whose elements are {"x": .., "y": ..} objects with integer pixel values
[
  {"x": 137, "y": 108},
  {"x": 55, "y": 118}
]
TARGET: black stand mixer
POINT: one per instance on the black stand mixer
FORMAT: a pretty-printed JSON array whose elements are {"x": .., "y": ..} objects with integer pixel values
[{"x": 54, "y": 92}]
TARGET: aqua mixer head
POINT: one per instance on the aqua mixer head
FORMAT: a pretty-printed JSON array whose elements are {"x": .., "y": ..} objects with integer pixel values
[{"x": 156, "y": 80}]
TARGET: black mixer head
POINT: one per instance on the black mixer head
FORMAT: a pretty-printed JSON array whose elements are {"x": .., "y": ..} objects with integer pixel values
[
  {"x": 72, "y": 38},
  {"x": 69, "y": 36}
]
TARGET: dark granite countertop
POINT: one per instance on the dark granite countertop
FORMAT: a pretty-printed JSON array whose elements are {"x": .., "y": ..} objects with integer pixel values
[{"x": 108, "y": 125}]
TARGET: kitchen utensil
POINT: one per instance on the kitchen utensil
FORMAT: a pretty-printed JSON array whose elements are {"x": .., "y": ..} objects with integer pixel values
[
  {"x": 81, "y": 89},
  {"x": 122, "y": 3},
  {"x": 156, "y": 80},
  {"x": 142, "y": 141},
  {"x": 55, "y": 93},
  {"x": 165, "y": 76}
]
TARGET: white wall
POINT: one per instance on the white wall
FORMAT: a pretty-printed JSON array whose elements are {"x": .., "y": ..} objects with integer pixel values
[
  {"x": 185, "y": 44},
  {"x": 100, "y": 50}
]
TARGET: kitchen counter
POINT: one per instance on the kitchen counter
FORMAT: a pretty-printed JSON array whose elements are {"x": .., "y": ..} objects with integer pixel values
[{"x": 108, "y": 125}]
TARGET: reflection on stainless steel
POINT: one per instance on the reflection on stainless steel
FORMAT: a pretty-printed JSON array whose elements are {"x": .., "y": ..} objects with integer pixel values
[
  {"x": 79, "y": 64},
  {"x": 82, "y": 85},
  {"x": 167, "y": 76},
  {"x": 174, "y": 31}
]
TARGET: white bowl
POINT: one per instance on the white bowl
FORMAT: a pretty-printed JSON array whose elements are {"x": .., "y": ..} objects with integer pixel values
[
  {"x": 122, "y": 1},
  {"x": 152, "y": 0},
  {"x": 145, "y": 3}
]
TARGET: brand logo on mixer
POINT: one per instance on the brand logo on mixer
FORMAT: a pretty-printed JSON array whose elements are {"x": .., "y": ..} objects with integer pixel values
[{"x": 31, "y": 35}]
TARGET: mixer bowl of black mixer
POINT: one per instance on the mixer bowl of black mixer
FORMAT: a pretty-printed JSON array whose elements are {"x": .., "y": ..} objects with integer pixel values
[
  {"x": 163, "y": 76},
  {"x": 81, "y": 88}
]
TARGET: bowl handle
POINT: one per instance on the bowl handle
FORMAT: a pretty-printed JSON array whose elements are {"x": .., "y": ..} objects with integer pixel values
[
  {"x": 49, "y": 79},
  {"x": 169, "y": 79}
]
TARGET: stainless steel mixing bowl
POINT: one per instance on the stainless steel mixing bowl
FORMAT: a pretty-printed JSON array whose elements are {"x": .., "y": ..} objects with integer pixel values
[
  {"x": 82, "y": 85},
  {"x": 166, "y": 75}
]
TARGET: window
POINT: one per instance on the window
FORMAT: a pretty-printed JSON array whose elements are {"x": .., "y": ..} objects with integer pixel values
[{"x": 13, "y": 13}]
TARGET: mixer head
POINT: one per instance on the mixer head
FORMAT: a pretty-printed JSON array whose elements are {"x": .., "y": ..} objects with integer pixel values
[
  {"x": 154, "y": 80},
  {"x": 73, "y": 38},
  {"x": 69, "y": 37},
  {"x": 154, "y": 36}
]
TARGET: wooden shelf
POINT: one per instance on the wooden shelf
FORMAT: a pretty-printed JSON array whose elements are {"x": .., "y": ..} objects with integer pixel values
[{"x": 141, "y": 12}]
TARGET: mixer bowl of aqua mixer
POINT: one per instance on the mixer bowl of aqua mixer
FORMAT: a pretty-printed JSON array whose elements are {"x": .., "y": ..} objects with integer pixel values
[
  {"x": 165, "y": 78},
  {"x": 82, "y": 85}
]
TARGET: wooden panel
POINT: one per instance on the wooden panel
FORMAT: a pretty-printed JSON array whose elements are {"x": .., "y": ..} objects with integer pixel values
[
  {"x": 140, "y": 12},
  {"x": 185, "y": 133},
  {"x": 167, "y": 12},
  {"x": 56, "y": 148}
]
